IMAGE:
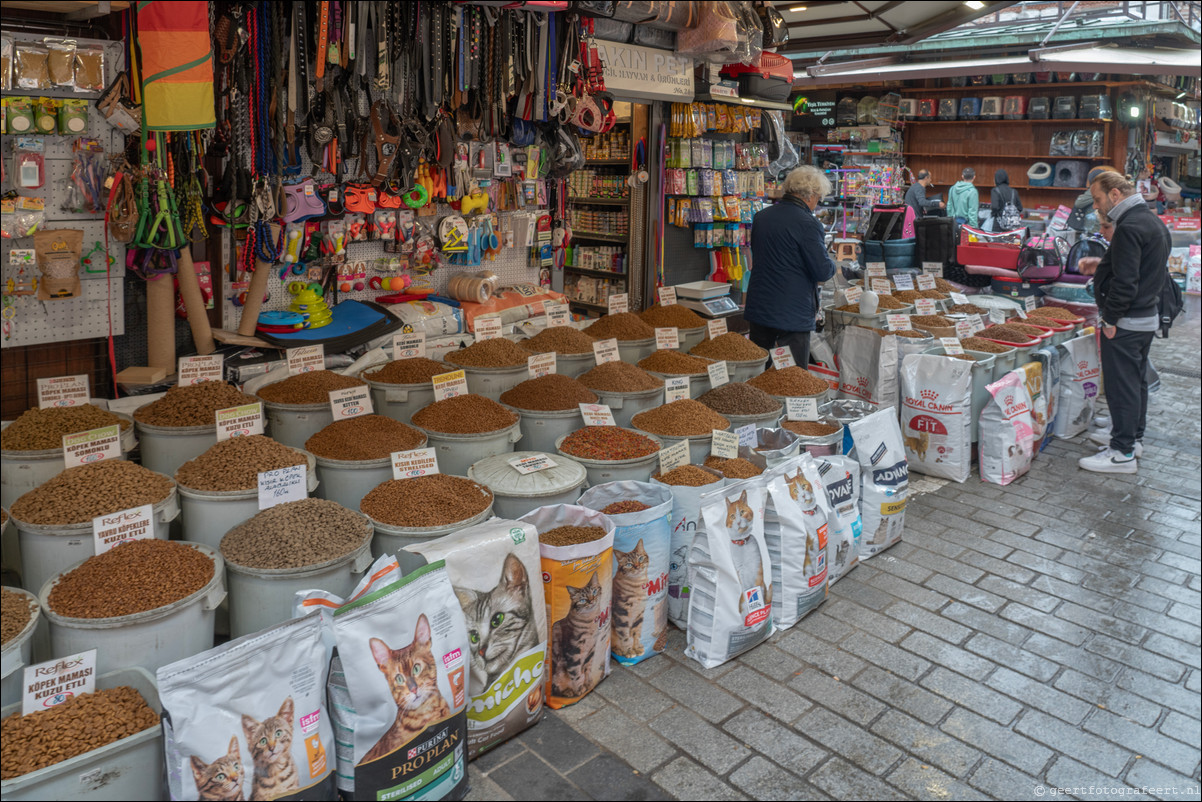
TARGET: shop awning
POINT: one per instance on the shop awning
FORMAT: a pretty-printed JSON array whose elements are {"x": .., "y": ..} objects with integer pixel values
[{"x": 833, "y": 23}]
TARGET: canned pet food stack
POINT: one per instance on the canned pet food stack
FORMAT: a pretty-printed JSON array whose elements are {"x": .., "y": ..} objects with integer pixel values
[
  {"x": 402, "y": 387},
  {"x": 549, "y": 407},
  {"x": 298, "y": 406},
  {"x": 492, "y": 366},
  {"x": 354, "y": 455},
  {"x": 183, "y": 424}
]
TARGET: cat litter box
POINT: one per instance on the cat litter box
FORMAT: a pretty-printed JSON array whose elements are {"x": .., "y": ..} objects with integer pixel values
[
  {"x": 991, "y": 108},
  {"x": 1039, "y": 175},
  {"x": 1070, "y": 174},
  {"x": 970, "y": 108},
  {"x": 1064, "y": 107},
  {"x": 1039, "y": 108},
  {"x": 947, "y": 108}
]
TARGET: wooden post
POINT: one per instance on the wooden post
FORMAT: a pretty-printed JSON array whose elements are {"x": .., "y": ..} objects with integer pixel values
[
  {"x": 254, "y": 298},
  {"x": 189, "y": 290},
  {"x": 160, "y": 323}
]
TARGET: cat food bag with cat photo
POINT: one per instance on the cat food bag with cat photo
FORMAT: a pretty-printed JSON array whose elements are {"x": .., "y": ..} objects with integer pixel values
[
  {"x": 495, "y": 570},
  {"x": 884, "y": 480},
  {"x": 936, "y": 415},
  {"x": 686, "y": 518},
  {"x": 1080, "y": 376},
  {"x": 642, "y": 557},
  {"x": 577, "y": 549},
  {"x": 404, "y": 653},
  {"x": 795, "y": 529},
  {"x": 868, "y": 366},
  {"x": 1032, "y": 373},
  {"x": 1007, "y": 436},
  {"x": 1049, "y": 362},
  {"x": 248, "y": 720},
  {"x": 841, "y": 484},
  {"x": 730, "y": 575}
]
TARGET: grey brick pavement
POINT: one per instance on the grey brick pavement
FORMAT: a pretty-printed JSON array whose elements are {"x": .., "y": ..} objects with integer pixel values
[{"x": 1043, "y": 635}]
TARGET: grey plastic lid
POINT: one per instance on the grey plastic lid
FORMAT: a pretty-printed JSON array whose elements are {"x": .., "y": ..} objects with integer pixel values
[{"x": 505, "y": 480}]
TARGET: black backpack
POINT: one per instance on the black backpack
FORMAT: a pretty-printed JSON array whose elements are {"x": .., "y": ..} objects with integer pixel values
[{"x": 1172, "y": 304}]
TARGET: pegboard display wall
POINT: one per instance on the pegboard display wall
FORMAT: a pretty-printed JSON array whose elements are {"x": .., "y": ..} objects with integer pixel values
[{"x": 33, "y": 321}]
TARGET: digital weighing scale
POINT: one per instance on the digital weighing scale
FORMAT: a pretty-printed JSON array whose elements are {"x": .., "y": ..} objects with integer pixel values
[{"x": 707, "y": 298}]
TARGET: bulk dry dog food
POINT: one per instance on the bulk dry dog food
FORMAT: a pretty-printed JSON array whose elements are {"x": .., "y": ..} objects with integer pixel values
[
  {"x": 422, "y": 501},
  {"x": 78, "y": 725},
  {"x": 15, "y": 612},
  {"x": 464, "y": 414},
  {"x": 841, "y": 482},
  {"x": 498, "y": 353},
  {"x": 619, "y": 377},
  {"x": 1010, "y": 333},
  {"x": 1007, "y": 437},
  {"x": 795, "y": 530},
  {"x": 364, "y": 437},
  {"x": 495, "y": 570},
  {"x": 671, "y": 316},
  {"x": 1055, "y": 313},
  {"x": 194, "y": 405},
  {"x": 418, "y": 370},
  {"x": 885, "y": 480},
  {"x": 884, "y": 302},
  {"x": 248, "y": 720},
  {"x": 675, "y": 363},
  {"x": 936, "y": 415},
  {"x": 404, "y": 653},
  {"x": 985, "y": 346},
  {"x": 687, "y": 476},
  {"x": 235, "y": 464},
  {"x": 43, "y": 429},
  {"x": 560, "y": 340},
  {"x": 1080, "y": 370},
  {"x": 607, "y": 443},
  {"x": 549, "y": 393},
  {"x": 738, "y": 398},
  {"x": 296, "y": 534},
  {"x": 910, "y": 296},
  {"x": 620, "y": 507},
  {"x": 313, "y": 387},
  {"x": 77, "y": 495},
  {"x": 966, "y": 309},
  {"x": 931, "y": 321},
  {"x": 736, "y": 468},
  {"x": 792, "y": 381},
  {"x": 140, "y": 575},
  {"x": 729, "y": 346},
  {"x": 683, "y": 418},
  {"x": 809, "y": 428},
  {"x": 622, "y": 326}
]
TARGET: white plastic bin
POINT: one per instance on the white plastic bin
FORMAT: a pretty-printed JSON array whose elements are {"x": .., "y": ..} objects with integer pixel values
[
  {"x": 457, "y": 452},
  {"x": 542, "y": 429},
  {"x": 516, "y": 493},
  {"x": 165, "y": 448},
  {"x": 699, "y": 383},
  {"x": 22, "y": 471},
  {"x": 626, "y": 405},
  {"x": 399, "y": 401},
  {"x": 491, "y": 382},
  {"x": 631, "y": 351},
  {"x": 391, "y": 539},
  {"x": 17, "y": 654}
]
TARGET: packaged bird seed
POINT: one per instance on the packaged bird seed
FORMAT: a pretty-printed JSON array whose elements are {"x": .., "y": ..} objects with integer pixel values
[
  {"x": 495, "y": 570},
  {"x": 795, "y": 530},
  {"x": 841, "y": 483},
  {"x": 885, "y": 480},
  {"x": 936, "y": 411},
  {"x": 248, "y": 720}
]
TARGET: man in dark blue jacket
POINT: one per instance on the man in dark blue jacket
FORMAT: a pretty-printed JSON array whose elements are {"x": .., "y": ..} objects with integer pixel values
[{"x": 789, "y": 261}]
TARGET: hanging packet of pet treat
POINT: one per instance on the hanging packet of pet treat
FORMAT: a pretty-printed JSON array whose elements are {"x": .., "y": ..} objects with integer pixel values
[
  {"x": 795, "y": 530},
  {"x": 1080, "y": 373},
  {"x": 884, "y": 480},
  {"x": 730, "y": 575},
  {"x": 495, "y": 570},
  {"x": 686, "y": 518},
  {"x": 576, "y": 545},
  {"x": 936, "y": 415},
  {"x": 247, "y": 720},
  {"x": 841, "y": 483},
  {"x": 642, "y": 557},
  {"x": 868, "y": 366},
  {"x": 1007, "y": 440},
  {"x": 404, "y": 652}
]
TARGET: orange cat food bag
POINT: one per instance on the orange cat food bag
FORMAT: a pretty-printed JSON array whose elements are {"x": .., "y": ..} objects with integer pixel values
[
  {"x": 404, "y": 653},
  {"x": 795, "y": 529},
  {"x": 576, "y": 547},
  {"x": 248, "y": 719}
]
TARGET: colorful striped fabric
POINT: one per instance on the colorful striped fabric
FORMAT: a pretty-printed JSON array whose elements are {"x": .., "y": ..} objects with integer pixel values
[{"x": 177, "y": 65}]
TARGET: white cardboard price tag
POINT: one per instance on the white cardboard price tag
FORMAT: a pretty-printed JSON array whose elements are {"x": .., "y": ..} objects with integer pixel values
[
  {"x": 959, "y": 298},
  {"x": 109, "y": 531},
  {"x": 449, "y": 385},
  {"x": 351, "y": 402},
  {"x": 305, "y": 359},
  {"x": 926, "y": 282},
  {"x": 667, "y": 296},
  {"x": 747, "y": 435},
  {"x": 239, "y": 421},
  {"x": 48, "y": 684},
  {"x": 964, "y": 329},
  {"x": 801, "y": 408},
  {"x": 541, "y": 365},
  {"x": 715, "y": 328},
  {"x": 282, "y": 485},
  {"x": 673, "y": 456},
  {"x": 978, "y": 323},
  {"x": 409, "y": 346},
  {"x": 558, "y": 315},
  {"x": 903, "y": 281},
  {"x": 94, "y": 445},
  {"x": 532, "y": 463},
  {"x": 719, "y": 374},
  {"x": 597, "y": 415},
  {"x": 676, "y": 388},
  {"x": 418, "y": 462},
  {"x": 63, "y": 391},
  {"x": 782, "y": 357},
  {"x": 606, "y": 351},
  {"x": 192, "y": 370},
  {"x": 932, "y": 267},
  {"x": 880, "y": 286},
  {"x": 852, "y": 294},
  {"x": 617, "y": 304},
  {"x": 488, "y": 328},
  {"x": 951, "y": 346},
  {"x": 996, "y": 315},
  {"x": 924, "y": 306},
  {"x": 1030, "y": 303},
  {"x": 875, "y": 270},
  {"x": 898, "y": 322},
  {"x": 725, "y": 445},
  {"x": 667, "y": 339},
  {"x": 1022, "y": 312}
]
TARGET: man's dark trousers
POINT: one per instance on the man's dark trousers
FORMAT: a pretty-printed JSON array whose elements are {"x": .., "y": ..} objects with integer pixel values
[
  {"x": 1125, "y": 369},
  {"x": 768, "y": 338}
]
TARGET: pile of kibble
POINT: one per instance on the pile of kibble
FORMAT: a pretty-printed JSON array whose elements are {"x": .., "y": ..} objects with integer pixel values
[
  {"x": 235, "y": 464},
  {"x": 1010, "y": 333},
  {"x": 77, "y": 495},
  {"x": 931, "y": 321},
  {"x": 193, "y": 405},
  {"x": 496, "y": 353},
  {"x": 622, "y": 326},
  {"x": 295, "y": 534},
  {"x": 549, "y": 393},
  {"x": 739, "y": 398},
  {"x": 135, "y": 577},
  {"x": 809, "y": 428},
  {"x": 464, "y": 414},
  {"x": 571, "y": 535},
  {"x": 912, "y": 334},
  {"x": 313, "y": 387},
  {"x": 560, "y": 340},
  {"x": 623, "y": 507},
  {"x": 1055, "y": 313},
  {"x": 736, "y": 468},
  {"x": 731, "y": 347},
  {"x": 436, "y": 500},
  {"x": 683, "y": 418},
  {"x": 619, "y": 377},
  {"x": 675, "y": 363},
  {"x": 607, "y": 443},
  {"x": 15, "y": 611},
  {"x": 687, "y": 476},
  {"x": 910, "y": 296},
  {"x": 793, "y": 381},
  {"x": 43, "y": 429},
  {"x": 418, "y": 370},
  {"x": 985, "y": 346},
  {"x": 966, "y": 309},
  {"x": 671, "y": 316},
  {"x": 364, "y": 437}
]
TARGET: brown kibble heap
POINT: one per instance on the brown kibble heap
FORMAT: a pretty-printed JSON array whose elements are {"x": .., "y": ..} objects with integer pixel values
[
  {"x": 313, "y": 387},
  {"x": 1050, "y": 312},
  {"x": 622, "y": 326},
  {"x": 1009, "y": 332},
  {"x": 436, "y": 500},
  {"x": 737, "y": 468},
  {"x": 464, "y": 414},
  {"x": 607, "y": 443},
  {"x": 364, "y": 437},
  {"x": 15, "y": 611},
  {"x": 792, "y": 381},
  {"x": 295, "y": 534},
  {"x": 966, "y": 309},
  {"x": 195, "y": 405},
  {"x": 683, "y": 418},
  {"x": 985, "y": 346},
  {"x": 687, "y": 476},
  {"x": 908, "y": 333},
  {"x": 883, "y": 304},
  {"x": 809, "y": 428},
  {"x": 43, "y": 429},
  {"x": 738, "y": 398},
  {"x": 675, "y": 363},
  {"x": 135, "y": 577},
  {"x": 418, "y": 370},
  {"x": 671, "y": 316},
  {"x": 931, "y": 321},
  {"x": 77, "y": 495},
  {"x": 496, "y": 353},
  {"x": 731, "y": 347},
  {"x": 235, "y": 464},
  {"x": 1030, "y": 328},
  {"x": 560, "y": 340},
  {"x": 619, "y": 377},
  {"x": 549, "y": 393},
  {"x": 571, "y": 535},
  {"x": 81, "y": 724},
  {"x": 622, "y": 507},
  {"x": 943, "y": 285},
  {"x": 910, "y": 296}
]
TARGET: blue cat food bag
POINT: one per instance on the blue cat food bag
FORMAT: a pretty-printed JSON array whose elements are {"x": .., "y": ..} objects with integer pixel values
[{"x": 642, "y": 558}]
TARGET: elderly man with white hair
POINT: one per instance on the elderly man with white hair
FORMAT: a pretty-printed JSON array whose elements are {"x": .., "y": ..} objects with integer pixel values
[{"x": 789, "y": 261}]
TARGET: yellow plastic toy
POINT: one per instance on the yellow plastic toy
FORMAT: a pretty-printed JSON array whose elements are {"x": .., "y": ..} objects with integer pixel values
[{"x": 309, "y": 302}]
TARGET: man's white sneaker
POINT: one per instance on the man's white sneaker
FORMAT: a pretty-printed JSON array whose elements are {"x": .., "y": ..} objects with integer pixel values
[
  {"x": 1102, "y": 438},
  {"x": 1101, "y": 421},
  {"x": 1110, "y": 461}
]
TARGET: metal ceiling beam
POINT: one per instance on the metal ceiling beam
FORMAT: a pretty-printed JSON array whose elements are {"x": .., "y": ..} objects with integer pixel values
[
  {"x": 829, "y": 21},
  {"x": 840, "y": 40},
  {"x": 958, "y": 15}
]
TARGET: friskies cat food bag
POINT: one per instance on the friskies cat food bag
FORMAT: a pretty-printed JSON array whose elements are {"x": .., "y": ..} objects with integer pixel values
[
  {"x": 884, "y": 480},
  {"x": 247, "y": 720},
  {"x": 404, "y": 652},
  {"x": 494, "y": 568}
]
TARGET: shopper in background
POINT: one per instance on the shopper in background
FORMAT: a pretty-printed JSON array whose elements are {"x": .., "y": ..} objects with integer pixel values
[
  {"x": 1128, "y": 281},
  {"x": 1004, "y": 204},
  {"x": 963, "y": 202},
  {"x": 789, "y": 254},
  {"x": 916, "y": 195}
]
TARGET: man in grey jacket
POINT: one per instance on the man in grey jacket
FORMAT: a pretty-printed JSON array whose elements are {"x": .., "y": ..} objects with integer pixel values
[{"x": 916, "y": 195}]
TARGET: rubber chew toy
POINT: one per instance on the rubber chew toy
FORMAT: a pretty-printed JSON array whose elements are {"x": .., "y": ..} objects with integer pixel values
[{"x": 477, "y": 201}]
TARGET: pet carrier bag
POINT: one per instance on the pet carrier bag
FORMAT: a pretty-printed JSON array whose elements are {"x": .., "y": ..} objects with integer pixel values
[
  {"x": 1061, "y": 143},
  {"x": 947, "y": 108},
  {"x": 890, "y": 222},
  {"x": 991, "y": 108},
  {"x": 1022, "y": 77},
  {"x": 1042, "y": 258},
  {"x": 1086, "y": 143},
  {"x": 1039, "y": 108},
  {"x": 1096, "y": 107},
  {"x": 1014, "y": 107},
  {"x": 936, "y": 237},
  {"x": 1064, "y": 107},
  {"x": 1087, "y": 245},
  {"x": 928, "y": 107},
  {"x": 999, "y": 79},
  {"x": 970, "y": 108},
  {"x": 909, "y": 107}
]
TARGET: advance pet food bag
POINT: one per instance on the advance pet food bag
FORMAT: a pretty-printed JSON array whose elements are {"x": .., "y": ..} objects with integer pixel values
[
  {"x": 936, "y": 414},
  {"x": 248, "y": 720},
  {"x": 795, "y": 529},
  {"x": 841, "y": 483},
  {"x": 1007, "y": 439},
  {"x": 1080, "y": 376},
  {"x": 885, "y": 480}
]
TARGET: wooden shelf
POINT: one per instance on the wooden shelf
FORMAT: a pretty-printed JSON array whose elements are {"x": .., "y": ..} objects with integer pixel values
[
  {"x": 602, "y": 201},
  {"x": 597, "y": 273},
  {"x": 1004, "y": 156},
  {"x": 1009, "y": 122},
  {"x": 607, "y": 162},
  {"x": 599, "y": 236},
  {"x": 990, "y": 89}
]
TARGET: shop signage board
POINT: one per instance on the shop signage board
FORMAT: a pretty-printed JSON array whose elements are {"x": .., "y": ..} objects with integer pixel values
[
  {"x": 880, "y": 286},
  {"x": 410, "y": 464},
  {"x": 903, "y": 281},
  {"x": 192, "y": 370},
  {"x": 747, "y": 435},
  {"x": 409, "y": 346},
  {"x": 48, "y": 684},
  {"x": 109, "y": 531},
  {"x": 558, "y": 316},
  {"x": 875, "y": 270},
  {"x": 959, "y": 298},
  {"x": 924, "y": 306},
  {"x": 94, "y": 445},
  {"x": 852, "y": 294},
  {"x": 645, "y": 73},
  {"x": 898, "y": 322},
  {"x": 951, "y": 346},
  {"x": 964, "y": 328},
  {"x": 239, "y": 421},
  {"x": 63, "y": 391},
  {"x": 926, "y": 282}
]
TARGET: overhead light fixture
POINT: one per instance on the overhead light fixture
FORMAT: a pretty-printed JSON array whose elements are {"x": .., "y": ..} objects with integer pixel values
[
  {"x": 797, "y": 8},
  {"x": 975, "y": 5},
  {"x": 1179, "y": 96},
  {"x": 1134, "y": 111}
]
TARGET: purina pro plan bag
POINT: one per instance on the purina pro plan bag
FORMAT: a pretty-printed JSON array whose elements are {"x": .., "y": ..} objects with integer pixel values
[
  {"x": 885, "y": 480},
  {"x": 247, "y": 720},
  {"x": 841, "y": 482},
  {"x": 1080, "y": 372},
  {"x": 936, "y": 414},
  {"x": 1007, "y": 440},
  {"x": 795, "y": 529}
]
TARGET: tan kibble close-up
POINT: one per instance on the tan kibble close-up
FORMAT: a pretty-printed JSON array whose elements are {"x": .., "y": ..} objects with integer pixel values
[
  {"x": 422, "y": 501},
  {"x": 418, "y": 370},
  {"x": 464, "y": 414},
  {"x": 734, "y": 468},
  {"x": 364, "y": 437},
  {"x": 622, "y": 326},
  {"x": 15, "y": 611},
  {"x": 43, "y": 429},
  {"x": 235, "y": 464},
  {"x": 793, "y": 381},
  {"x": 683, "y": 418},
  {"x": 296, "y": 534},
  {"x": 619, "y": 377},
  {"x": 730, "y": 346},
  {"x": 495, "y": 353},
  {"x": 194, "y": 405},
  {"x": 77, "y": 495},
  {"x": 675, "y": 363},
  {"x": 571, "y": 535},
  {"x": 687, "y": 476},
  {"x": 549, "y": 393},
  {"x": 313, "y": 387},
  {"x": 560, "y": 340}
]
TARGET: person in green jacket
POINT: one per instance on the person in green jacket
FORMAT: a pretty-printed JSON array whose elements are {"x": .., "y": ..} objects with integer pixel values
[{"x": 963, "y": 203}]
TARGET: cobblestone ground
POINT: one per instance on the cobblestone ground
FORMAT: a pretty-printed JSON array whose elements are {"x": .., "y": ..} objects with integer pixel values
[{"x": 1019, "y": 640}]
